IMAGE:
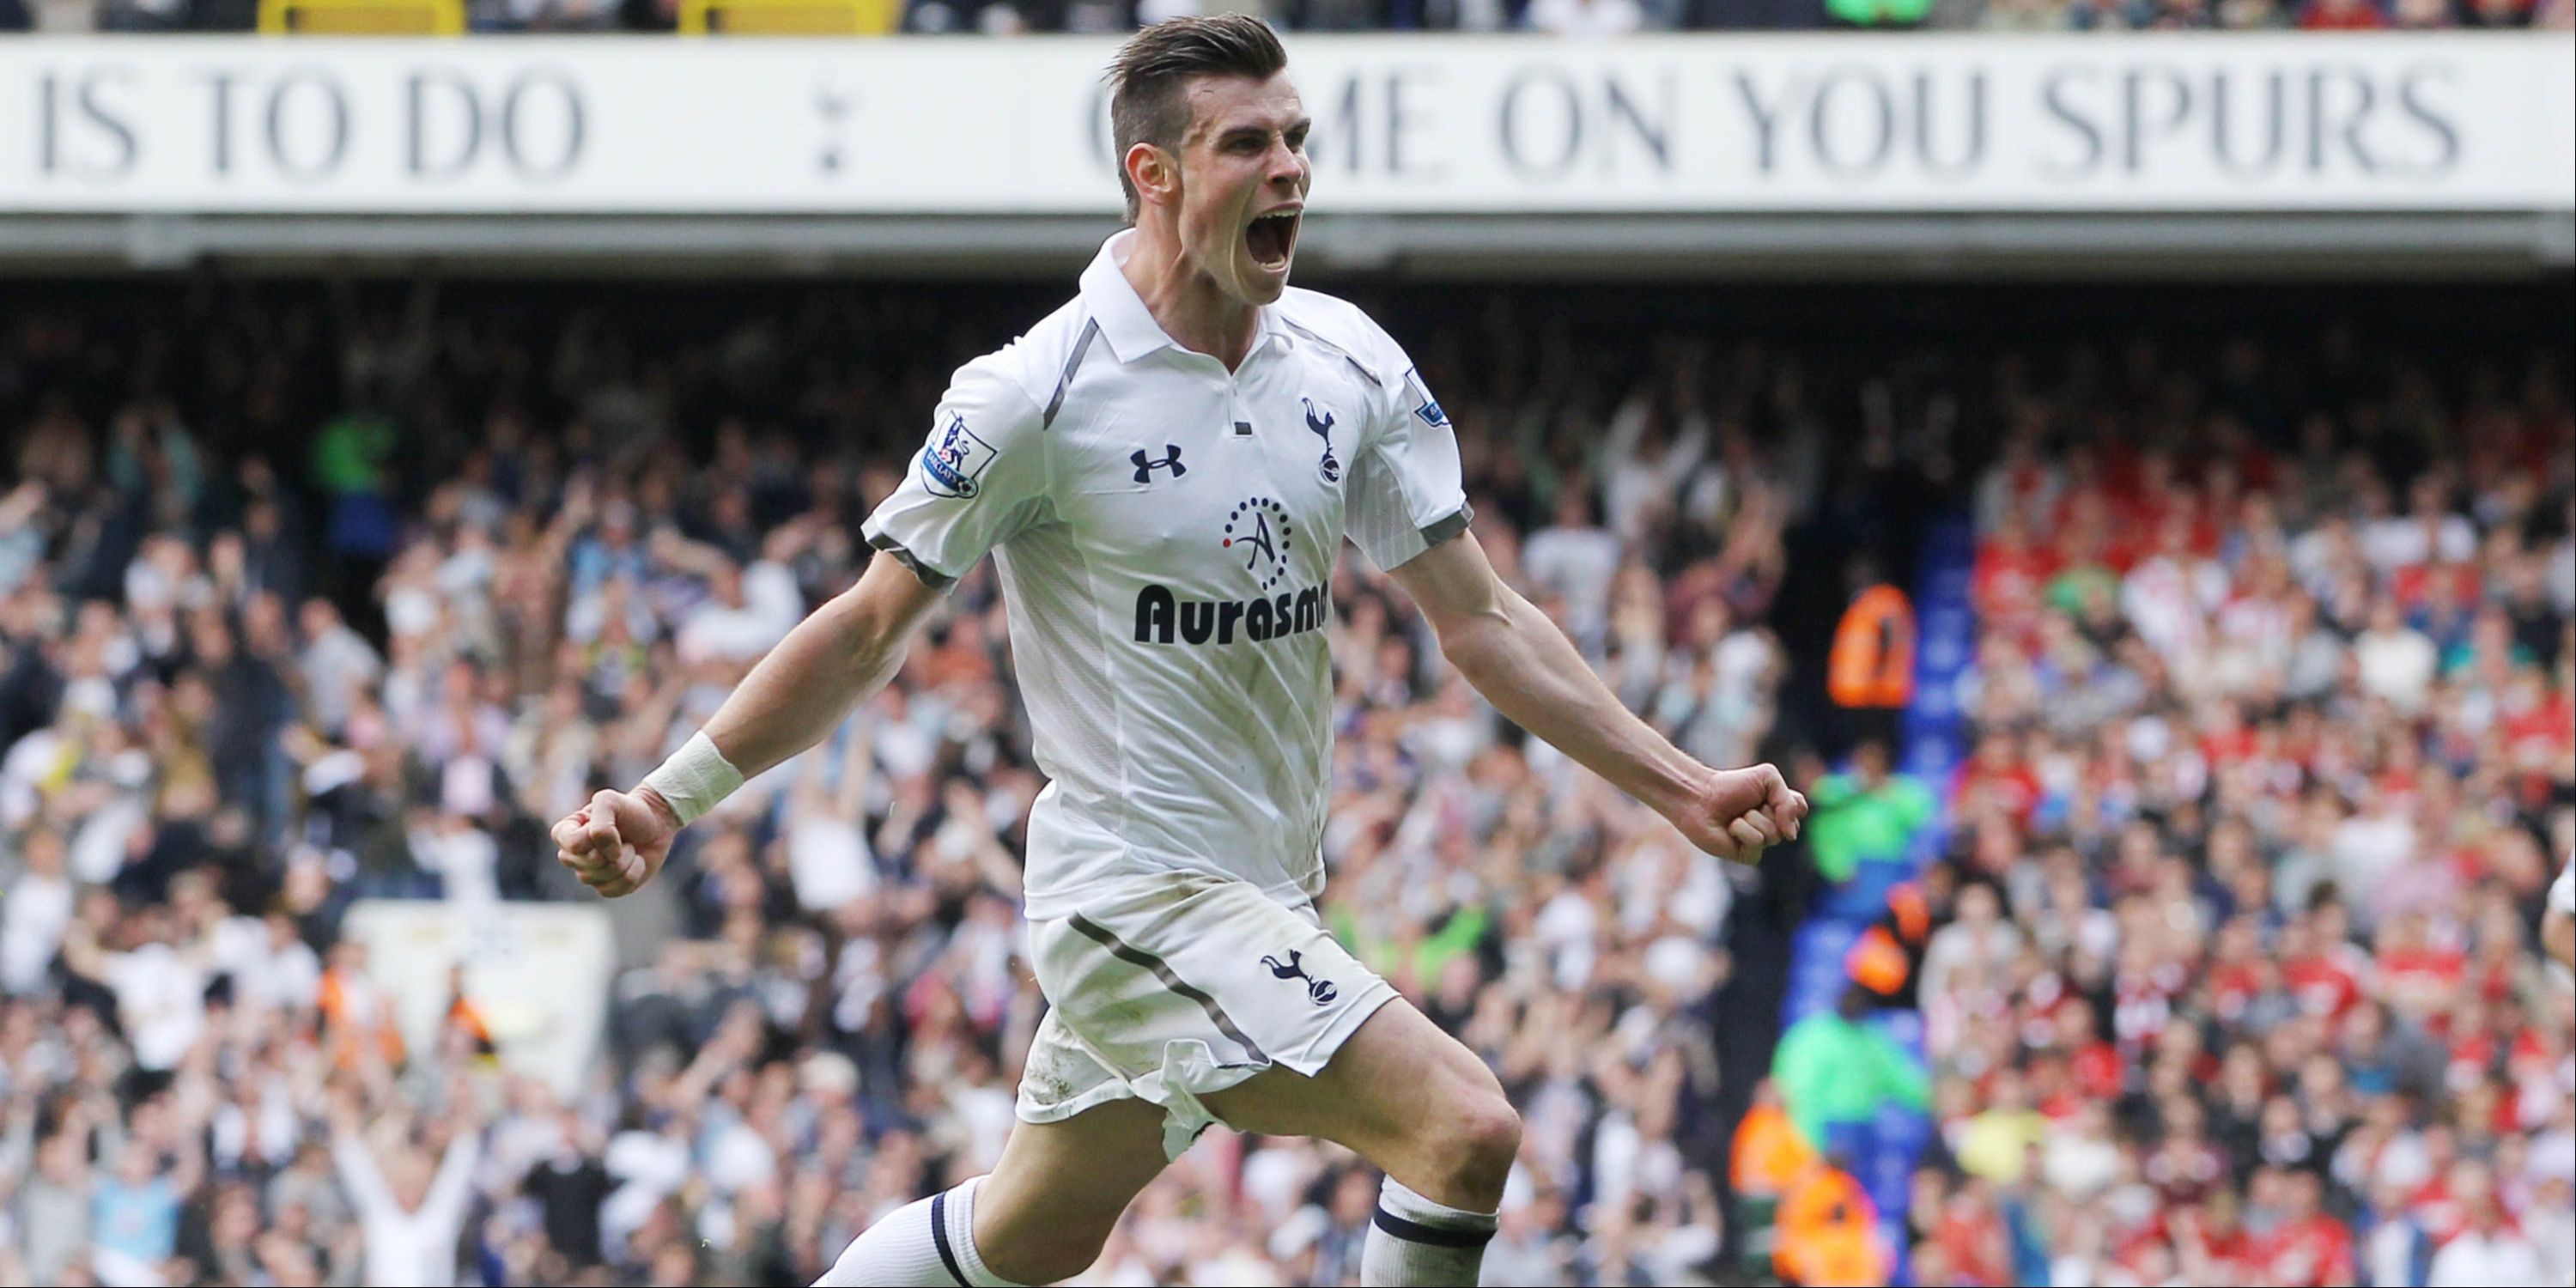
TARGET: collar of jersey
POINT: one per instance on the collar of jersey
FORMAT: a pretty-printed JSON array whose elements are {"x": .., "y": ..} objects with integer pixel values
[{"x": 1130, "y": 327}]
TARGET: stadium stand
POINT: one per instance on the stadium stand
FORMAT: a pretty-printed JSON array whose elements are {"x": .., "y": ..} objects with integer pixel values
[
  {"x": 2273, "y": 760},
  {"x": 323, "y": 598}
]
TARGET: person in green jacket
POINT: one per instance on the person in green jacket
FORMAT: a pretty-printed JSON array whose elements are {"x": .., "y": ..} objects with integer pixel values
[
  {"x": 352, "y": 459},
  {"x": 1867, "y": 815},
  {"x": 1835, "y": 1071},
  {"x": 1879, "y": 13}
]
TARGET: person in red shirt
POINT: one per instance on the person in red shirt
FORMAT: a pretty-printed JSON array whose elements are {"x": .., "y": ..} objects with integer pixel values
[
  {"x": 2453, "y": 1200},
  {"x": 2417, "y": 975},
  {"x": 2238, "y": 970},
  {"x": 2342, "y": 15},
  {"x": 2212, "y": 1243},
  {"x": 2539, "y": 729},
  {"x": 2479, "y": 1039},
  {"x": 2053, "y": 1090},
  {"x": 2321, "y": 978},
  {"x": 2093, "y": 533},
  {"x": 2185, "y": 1168},
  {"x": 2493, "y": 967},
  {"x": 2148, "y": 490},
  {"x": 1972, "y": 1237},
  {"x": 2532, "y": 1065},
  {"x": 2309, "y": 1249},
  {"x": 2080, "y": 487},
  {"x": 2099, "y": 1070},
  {"x": 2011, "y": 577},
  {"x": 2432, "y": 1203},
  {"x": 1996, "y": 773},
  {"x": 2225, "y": 738}
]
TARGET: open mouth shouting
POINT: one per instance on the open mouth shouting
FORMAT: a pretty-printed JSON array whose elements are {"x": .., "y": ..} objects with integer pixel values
[{"x": 1271, "y": 237}]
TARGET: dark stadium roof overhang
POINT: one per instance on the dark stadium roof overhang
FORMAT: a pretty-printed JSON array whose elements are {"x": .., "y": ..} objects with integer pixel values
[{"x": 1490, "y": 247}]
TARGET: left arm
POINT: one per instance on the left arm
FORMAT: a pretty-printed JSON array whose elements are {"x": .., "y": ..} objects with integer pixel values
[
  {"x": 1525, "y": 666},
  {"x": 452, "y": 1188}
]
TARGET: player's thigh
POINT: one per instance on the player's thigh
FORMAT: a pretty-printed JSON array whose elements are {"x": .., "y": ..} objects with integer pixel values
[
  {"x": 1397, "y": 1087},
  {"x": 1068, "y": 1181}
]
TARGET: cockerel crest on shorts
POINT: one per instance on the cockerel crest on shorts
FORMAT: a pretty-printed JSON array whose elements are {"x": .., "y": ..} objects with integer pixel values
[{"x": 1320, "y": 990}]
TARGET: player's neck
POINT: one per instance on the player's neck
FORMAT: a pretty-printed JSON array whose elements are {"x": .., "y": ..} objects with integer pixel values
[{"x": 1189, "y": 307}]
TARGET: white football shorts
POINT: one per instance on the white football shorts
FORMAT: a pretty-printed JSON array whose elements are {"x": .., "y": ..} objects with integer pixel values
[{"x": 1170, "y": 989}]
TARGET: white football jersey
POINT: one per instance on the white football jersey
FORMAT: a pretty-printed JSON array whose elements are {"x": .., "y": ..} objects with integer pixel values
[{"x": 1165, "y": 532}]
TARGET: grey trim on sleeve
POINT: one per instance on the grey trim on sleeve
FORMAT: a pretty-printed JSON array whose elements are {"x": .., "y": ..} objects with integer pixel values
[
  {"x": 1064, "y": 383},
  {"x": 1356, "y": 365},
  {"x": 1443, "y": 529},
  {"x": 929, "y": 576}
]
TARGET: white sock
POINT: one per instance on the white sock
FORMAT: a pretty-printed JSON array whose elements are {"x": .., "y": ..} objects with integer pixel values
[
  {"x": 930, "y": 1242},
  {"x": 1414, "y": 1241}
]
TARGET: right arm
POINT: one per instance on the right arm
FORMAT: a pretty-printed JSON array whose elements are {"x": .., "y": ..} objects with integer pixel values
[
  {"x": 981, "y": 476},
  {"x": 834, "y": 659}
]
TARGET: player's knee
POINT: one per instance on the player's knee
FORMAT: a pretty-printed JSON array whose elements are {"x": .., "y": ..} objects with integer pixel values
[
  {"x": 1042, "y": 1253},
  {"x": 1492, "y": 1139},
  {"x": 1477, "y": 1141},
  {"x": 1041, "y": 1263}
]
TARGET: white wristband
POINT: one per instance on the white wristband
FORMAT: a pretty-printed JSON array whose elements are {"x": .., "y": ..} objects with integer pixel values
[{"x": 695, "y": 778}]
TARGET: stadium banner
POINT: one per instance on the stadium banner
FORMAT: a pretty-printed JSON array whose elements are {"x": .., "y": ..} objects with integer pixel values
[
  {"x": 538, "y": 975},
  {"x": 1403, "y": 125}
]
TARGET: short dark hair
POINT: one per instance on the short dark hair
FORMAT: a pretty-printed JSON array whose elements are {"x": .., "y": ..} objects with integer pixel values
[{"x": 1146, "y": 80}]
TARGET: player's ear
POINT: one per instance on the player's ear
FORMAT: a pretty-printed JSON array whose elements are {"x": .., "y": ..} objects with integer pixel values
[{"x": 1155, "y": 173}]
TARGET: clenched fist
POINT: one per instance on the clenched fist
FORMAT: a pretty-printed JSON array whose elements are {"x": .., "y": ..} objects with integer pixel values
[
  {"x": 1738, "y": 813},
  {"x": 617, "y": 842}
]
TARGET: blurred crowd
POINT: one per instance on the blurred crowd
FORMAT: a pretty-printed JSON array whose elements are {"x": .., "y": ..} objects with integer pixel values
[
  {"x": 1581, "y": 19},
  {"x": 2230, "y": 975},
  {"x": 320, "y": 593},
  {"x": 311, "y": 601}
]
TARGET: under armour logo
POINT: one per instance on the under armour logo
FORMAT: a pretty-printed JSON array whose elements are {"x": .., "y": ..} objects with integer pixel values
[
  {"x": 1320, "y": 991},
  {"x": 1322, "y": 427},
  {"x": 1146, "y": 465}
]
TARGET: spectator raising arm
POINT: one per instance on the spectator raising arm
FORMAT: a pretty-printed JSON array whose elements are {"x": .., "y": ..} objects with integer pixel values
[
  {"x": 443, "y": 1214},
  {"x": 411, "y": 1229}
]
